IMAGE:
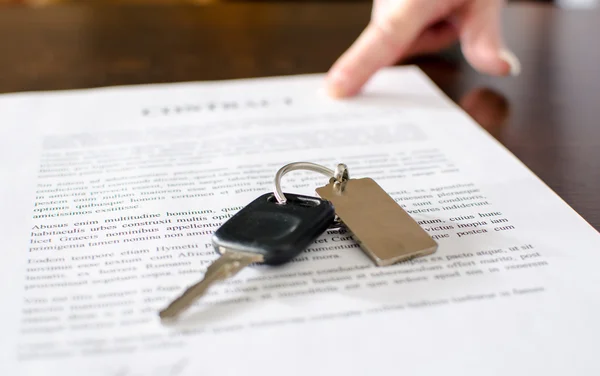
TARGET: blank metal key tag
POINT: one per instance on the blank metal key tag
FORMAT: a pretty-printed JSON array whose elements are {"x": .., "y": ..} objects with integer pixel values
[
  {"x": 266, "y": 232},
  {"x": 384, "y": 231}
]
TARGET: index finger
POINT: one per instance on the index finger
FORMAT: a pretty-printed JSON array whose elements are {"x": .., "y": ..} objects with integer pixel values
[{"x": 382, "y": 41}]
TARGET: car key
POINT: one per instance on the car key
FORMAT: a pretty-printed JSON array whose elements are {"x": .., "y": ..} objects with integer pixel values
[{"x": 264, "y": 232}]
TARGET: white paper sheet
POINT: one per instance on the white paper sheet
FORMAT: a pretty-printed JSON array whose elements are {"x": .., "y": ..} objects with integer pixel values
[{"x": 110, "y": 197}]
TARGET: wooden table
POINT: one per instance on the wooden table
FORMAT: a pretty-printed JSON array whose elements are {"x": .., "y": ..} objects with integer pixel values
[{"x": 549, "y": 117}]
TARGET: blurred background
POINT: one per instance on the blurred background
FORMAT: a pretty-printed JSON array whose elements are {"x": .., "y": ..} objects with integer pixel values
[{"x": 36, "y": 3}]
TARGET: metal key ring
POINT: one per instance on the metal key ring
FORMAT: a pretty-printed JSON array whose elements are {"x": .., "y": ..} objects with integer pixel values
[{"x": 340, "y": 175}]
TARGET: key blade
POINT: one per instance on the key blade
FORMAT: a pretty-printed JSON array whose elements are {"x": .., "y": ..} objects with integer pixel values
[{"x": 226, "y": 266}]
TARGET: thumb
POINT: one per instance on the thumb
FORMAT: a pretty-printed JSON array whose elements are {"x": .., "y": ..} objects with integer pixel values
[
  {"x": 388, "y": 34},
  {"x": 481, "y": 39}
]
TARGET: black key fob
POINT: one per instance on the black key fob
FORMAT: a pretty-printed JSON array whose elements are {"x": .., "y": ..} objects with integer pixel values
[{"x": 279, "y": 232}]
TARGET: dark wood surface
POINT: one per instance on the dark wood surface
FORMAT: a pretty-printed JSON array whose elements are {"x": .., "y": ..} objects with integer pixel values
[{"x": 549, "y": 117}]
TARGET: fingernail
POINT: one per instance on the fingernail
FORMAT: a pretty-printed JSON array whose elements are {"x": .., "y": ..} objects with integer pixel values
[
  {"x": 337, "y": 84},
  {"x": 512, "y": 61}
]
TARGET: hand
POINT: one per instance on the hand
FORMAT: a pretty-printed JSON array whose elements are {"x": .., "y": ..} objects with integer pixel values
[{"x": 403, "y": 28}]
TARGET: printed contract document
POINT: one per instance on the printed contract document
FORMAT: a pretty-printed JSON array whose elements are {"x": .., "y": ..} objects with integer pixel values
[{"x": 110, "y": 197}]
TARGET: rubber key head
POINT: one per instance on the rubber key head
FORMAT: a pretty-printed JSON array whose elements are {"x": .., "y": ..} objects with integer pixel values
[{"x": 277, "y": 231}]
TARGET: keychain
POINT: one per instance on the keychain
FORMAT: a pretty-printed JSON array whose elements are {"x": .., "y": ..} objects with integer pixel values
[{"x": 276, "y": 227}]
